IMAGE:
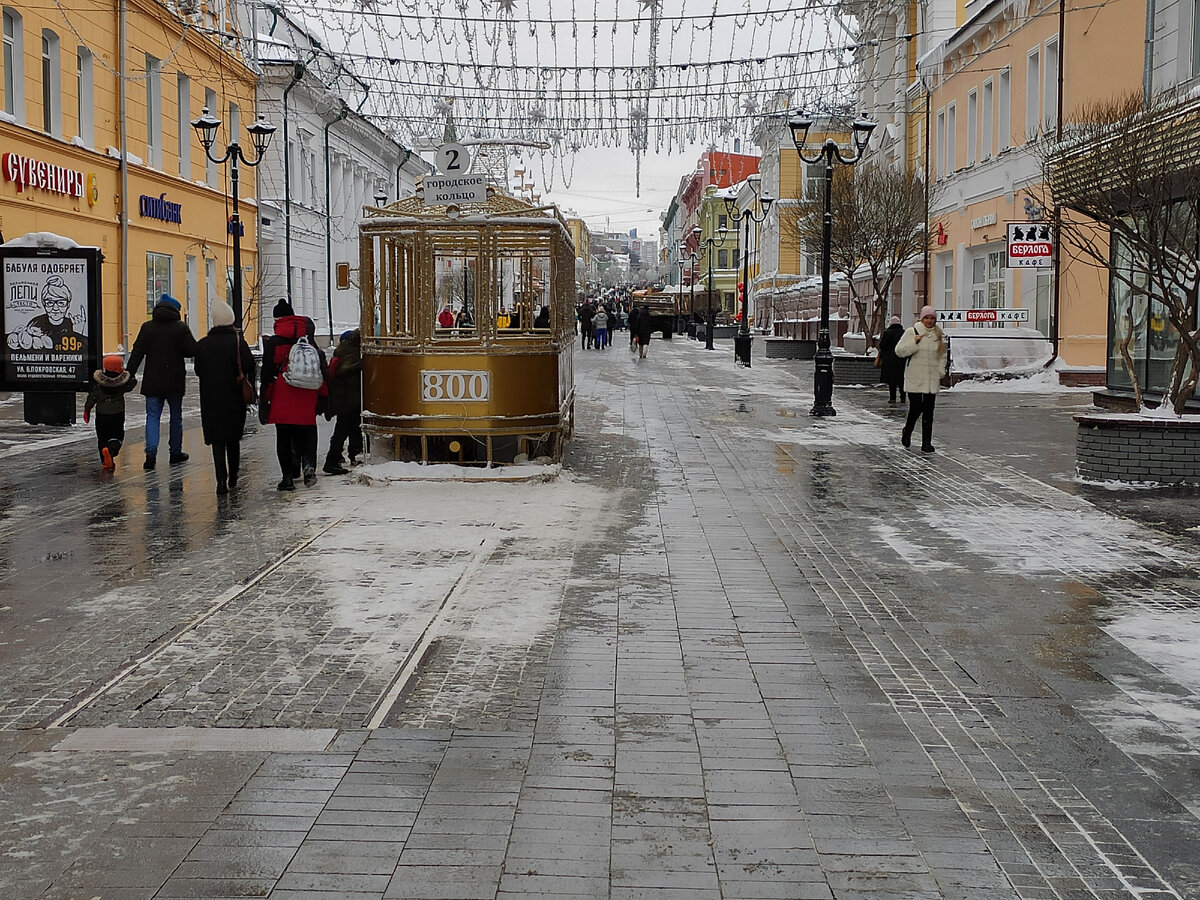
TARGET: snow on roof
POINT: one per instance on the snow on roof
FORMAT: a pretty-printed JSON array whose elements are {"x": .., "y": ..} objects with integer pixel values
[{"x": 43, "y": 239}]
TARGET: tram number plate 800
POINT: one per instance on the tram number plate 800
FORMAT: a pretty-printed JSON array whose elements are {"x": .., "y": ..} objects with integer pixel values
[{"x": 455, "y": 385}]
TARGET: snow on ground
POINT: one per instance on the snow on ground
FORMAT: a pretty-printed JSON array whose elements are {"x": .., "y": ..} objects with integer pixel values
[
  {"x": 920, "y": 557},
  {"x": 496, "y": 553},
  {"x": 386, "y": 472},
  {"x": 1047, "y": 541},
  {"x": 1042, "y": 381}
]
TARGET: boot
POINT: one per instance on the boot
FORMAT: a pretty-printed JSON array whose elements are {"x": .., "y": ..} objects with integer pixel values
[
  {"x": 310, "y": 476},
  {"x": 286, "y": 485},
  {"x": 179, "y": 457},
  {"x": 151, "y": 459},
  {"x": 106, "y": 459}
]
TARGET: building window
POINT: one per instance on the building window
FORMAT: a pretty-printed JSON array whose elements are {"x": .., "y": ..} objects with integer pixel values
[
  {"x": 153, "y": 112},
  {"x": 1033, "y": 94},
  {"x": 1043, "y": 298},
  {"x": 941, "y": 143},
  {"x": 158, "y": 278},
  {"x": 1195, "y": 37},
  {"x": 722, "y": 259},
  {"x": 51, "y": 84},
  {"x": 972, "y": 127},
  {"x": 1050, "y": 91},
  {"x": 210, "y": 167},
  {"x": 1004, "y": 110},
  {"x": 183, "y": 104},
  {"x": 948, "y": 285},
  {"x": 14, "y": 66},
  {"x": 84, "y": 93},
  {"x": 987, "y": 281},
  {"x": 235, "y": 122},
  {"x": 814, "y": 181},
  {"x": 951, "y": 139},
  {"x": 986, "y": 147},
  {"x": 723, "y": 220}
]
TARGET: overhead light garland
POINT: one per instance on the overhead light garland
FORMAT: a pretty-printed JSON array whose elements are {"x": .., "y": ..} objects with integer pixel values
[{"x": 647, "y": 75}]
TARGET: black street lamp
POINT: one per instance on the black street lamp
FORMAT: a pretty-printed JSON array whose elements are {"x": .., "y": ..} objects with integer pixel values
[
  {"x": 710, "y": 242},
  {"x": 830, "y": 152},
  {"x": 743, "y": 341},
  {"x": 260, "y": 135},
  {"x": 692, "y": 286}
]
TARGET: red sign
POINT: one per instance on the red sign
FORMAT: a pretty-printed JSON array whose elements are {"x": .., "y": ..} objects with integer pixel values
[
  {"x": 24, "y": 171},
  {"x": 1040, "y": 248},
  {"x": 981, "y": 315}
]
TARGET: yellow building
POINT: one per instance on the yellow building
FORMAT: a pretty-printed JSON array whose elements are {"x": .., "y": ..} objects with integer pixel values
[
  {"x": 992, "y": 90},
  {"x": 74, "y": 94}
]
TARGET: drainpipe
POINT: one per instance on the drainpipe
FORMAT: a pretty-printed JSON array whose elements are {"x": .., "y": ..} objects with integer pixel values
[
  {"x": 297, "y": 74},
  {"x": 1148, "y": 60},
  {"x": 1056, "y": 278},
  {"x": 399, "y": 169},
  {"x": 328, "y": 215},
  {"x": 123, "y": 294}
]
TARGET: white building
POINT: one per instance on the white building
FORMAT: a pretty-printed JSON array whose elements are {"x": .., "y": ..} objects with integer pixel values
[{"x": 326, "y": 163}]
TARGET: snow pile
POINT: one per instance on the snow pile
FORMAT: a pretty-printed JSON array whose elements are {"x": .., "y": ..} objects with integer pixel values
[
  {"x": 43, "y": 239},
  {"x": 384, "y": 473},
  {"x": 981, "y": 350}
]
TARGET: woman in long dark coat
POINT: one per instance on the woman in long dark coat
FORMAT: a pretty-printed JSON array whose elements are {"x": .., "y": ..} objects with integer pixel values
[
  {"x": 222, "y": 404},
  {"x": 644, "y": 327},
  {"x": 891, "y": 367}
]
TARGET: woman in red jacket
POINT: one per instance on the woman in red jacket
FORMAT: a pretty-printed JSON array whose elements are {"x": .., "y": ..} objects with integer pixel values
[{"x": 292, "y": 410}]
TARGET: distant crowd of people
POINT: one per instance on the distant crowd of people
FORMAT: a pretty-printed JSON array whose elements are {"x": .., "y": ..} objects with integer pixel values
[{"x": 598, "y": 317}]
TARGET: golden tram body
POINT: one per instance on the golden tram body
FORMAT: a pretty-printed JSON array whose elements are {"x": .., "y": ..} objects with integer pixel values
[{"x": 468, "y": 322}]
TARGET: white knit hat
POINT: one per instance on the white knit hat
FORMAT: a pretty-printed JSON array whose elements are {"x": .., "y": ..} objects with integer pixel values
[{"x": 221, "y": 313}]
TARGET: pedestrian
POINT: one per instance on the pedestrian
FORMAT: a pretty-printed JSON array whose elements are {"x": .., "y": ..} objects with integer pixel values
[
  {"x": 891, "y": 367},
  {"x": 110, "y": 384},
  {"x": 633, "y": 327},
  {"x": 463, "y": 320},
  {"x": 445, "y": 318},
  {"x": 164, "y": 343},
  {"x": 290, "y": 408},
  {"x": 924, "y": 345},
  {"x": 345, "y": 402},
  {"x": 643, "y": 330},
  {"x": 600, "y": 327},
  {"x": 542, "y": 321},
  {"x": 222, "y": 357},
  {"x": 586, "y": 312}
]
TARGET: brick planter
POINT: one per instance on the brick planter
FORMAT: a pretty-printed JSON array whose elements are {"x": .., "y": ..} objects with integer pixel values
[
  {"x": 786, "y": 348},
  {"x": 1137, "y": 450},
  {"x": 849, "y": 369}
]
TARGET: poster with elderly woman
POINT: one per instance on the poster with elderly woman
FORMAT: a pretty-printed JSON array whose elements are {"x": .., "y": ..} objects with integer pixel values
[{"x": 51, "y": 319}]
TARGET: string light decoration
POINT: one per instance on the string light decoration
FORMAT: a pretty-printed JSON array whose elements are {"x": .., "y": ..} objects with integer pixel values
[{"x": 646, "y": 75}]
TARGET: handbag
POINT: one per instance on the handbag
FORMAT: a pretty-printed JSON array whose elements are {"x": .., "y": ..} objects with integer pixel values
[
  {"x": 247, "y": 388},
  {"x": 878, "y": 360}
]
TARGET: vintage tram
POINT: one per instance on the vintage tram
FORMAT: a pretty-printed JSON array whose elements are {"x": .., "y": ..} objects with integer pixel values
[{"x": 468, "y": 330}]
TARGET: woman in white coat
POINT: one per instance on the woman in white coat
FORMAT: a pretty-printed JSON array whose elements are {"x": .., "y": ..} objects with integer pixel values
[{"x": 925, "y": 347}]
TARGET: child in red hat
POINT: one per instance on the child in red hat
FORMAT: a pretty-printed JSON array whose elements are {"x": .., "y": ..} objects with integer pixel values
[{"x": 110, "y": 384}]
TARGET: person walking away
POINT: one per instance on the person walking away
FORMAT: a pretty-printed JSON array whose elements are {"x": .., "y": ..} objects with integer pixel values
[
  {"x": 643, "y": 330},
  {"x": 600, "y": 327},
  {"x": 891, "y": 367},
  {"x": 345, "y": 402},
  {"x": 222, "y": 356},
  {"x": 164, "y": 343},
  {"x": 924, "y": 345},
  {"x": 110, "y": 384},
  {"x": 292, "y": 409},
  {"x": 633, "y": 328},
  {"x": 585, "y": 325}
]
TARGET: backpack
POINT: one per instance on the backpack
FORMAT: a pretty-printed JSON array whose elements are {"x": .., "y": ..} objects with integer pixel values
[{"x": 303, "y": 366}]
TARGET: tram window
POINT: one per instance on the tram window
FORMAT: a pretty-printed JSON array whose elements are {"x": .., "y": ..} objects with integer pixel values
[
  {"x": 454, "y": 314},
  {"x": 523, "y": 292}
]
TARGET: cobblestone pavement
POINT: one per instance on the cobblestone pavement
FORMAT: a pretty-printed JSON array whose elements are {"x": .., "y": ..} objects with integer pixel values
[{"x": 731, "y": 652}]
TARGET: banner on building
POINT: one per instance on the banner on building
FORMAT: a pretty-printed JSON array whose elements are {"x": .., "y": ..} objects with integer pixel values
[{"x": 50, "y": 317}]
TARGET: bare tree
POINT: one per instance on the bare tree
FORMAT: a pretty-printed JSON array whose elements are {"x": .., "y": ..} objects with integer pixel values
[
  {"x": 878, "y": 223},
  {"x": 1126, "y": 188}
]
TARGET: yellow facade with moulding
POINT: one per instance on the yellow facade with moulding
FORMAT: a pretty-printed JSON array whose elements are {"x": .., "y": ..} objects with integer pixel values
[{"x": 177, "y": 207}]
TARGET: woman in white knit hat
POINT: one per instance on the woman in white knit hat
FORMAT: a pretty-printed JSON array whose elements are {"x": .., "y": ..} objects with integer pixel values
[{"x": 925, "y": 347}]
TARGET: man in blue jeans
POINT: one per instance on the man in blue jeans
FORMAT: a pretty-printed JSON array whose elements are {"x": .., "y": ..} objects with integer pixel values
[{"x": 164, "y": 343}]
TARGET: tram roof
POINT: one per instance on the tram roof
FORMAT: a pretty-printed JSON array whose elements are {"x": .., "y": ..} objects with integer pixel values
[{"x": 498, "y": 209}]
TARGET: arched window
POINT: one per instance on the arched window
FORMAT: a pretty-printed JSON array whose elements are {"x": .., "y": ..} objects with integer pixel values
[
  {"x": 14, "y": 68},
  {"x": 51, "y": 84},
  {"x": 84, "y": 95}
]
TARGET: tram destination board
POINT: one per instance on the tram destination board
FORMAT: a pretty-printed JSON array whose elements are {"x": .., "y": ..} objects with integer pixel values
[{"x": 454, "y": 189}]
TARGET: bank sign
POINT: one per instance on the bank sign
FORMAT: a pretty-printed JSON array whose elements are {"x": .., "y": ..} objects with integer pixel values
[
  {"x": 50, "y": 318},
  {"x": 1030, "y": 245}
]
